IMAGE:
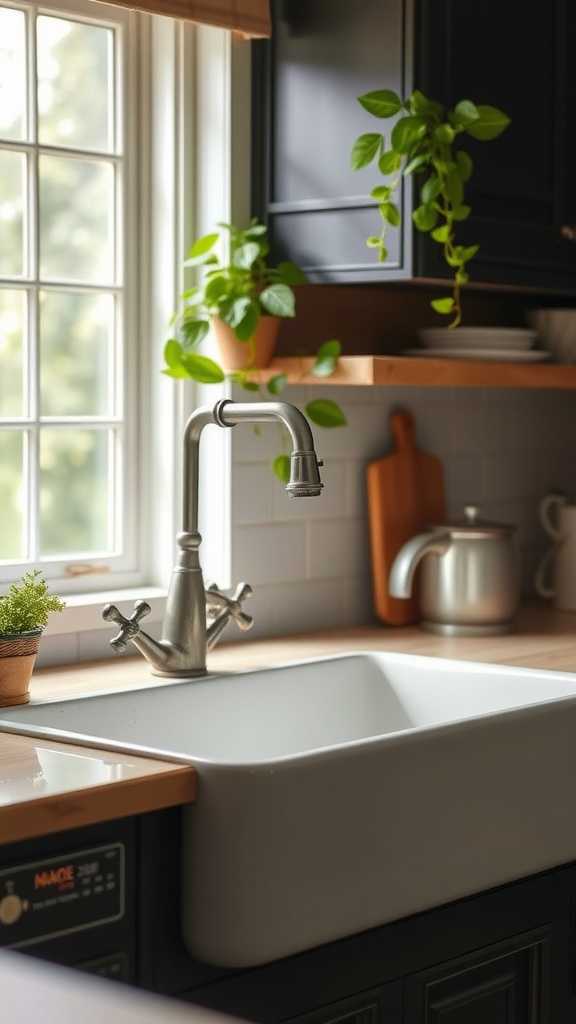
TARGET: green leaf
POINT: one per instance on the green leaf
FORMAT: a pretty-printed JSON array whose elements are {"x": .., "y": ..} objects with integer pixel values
[
  {"x": 247, "y": 326},
  {"x": 365, "y": 149},
  {"x": 277, "y": 383},
  {"x": 453, "y": 187},
  {"x": 490, "y": 124},
  {"x": 236, "y": 310},
  {"x": 462, "y": 212},
  {"x": 281, "y": 467},
  {"x": 202, "y": 369},
  {"x": 441, "y": 234},
  {"x": 444, "y": 306},
  {"x": 173, "y": 353},
  {"x": 468, "y": 252},
  {"x": 416, "y": 162},
  {"x": 430, "y": 189},
  {"x": 278, "y": 300},
  {"x": 193, "y": 332},
  {"x": 421, "y": 104},
  {"x": 383, "y": 253},
  {"x": 249, "y": 385},
  {"x": 390, "y": 213},
  {"x": 444, "y": 134},
  {"x": 202, "y": 246},
  {"x": 216, "y": 287},
  {"x": 465, "y": 164},
  {"x": 389, "y": 162},
  {"x": 406, "y": 132},
  {"x": 425, "y": 218},
  {"x": 325, "y": 413},
  {"x": 246, "y": 255},
  {"x": 381, "y": 103},
  {"x": 381, "y": 192},
  {"x": 291, "y": 273},
  {"x": 256, "y": 231},
  {"x": 333, "y": 348},
  {"x": 374, "y": 242},
  {"x": 465, "y": 113}
]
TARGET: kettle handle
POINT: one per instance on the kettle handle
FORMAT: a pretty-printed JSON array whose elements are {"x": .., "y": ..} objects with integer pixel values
[
  {"x": 401, "y": 580},
  {"x": 549, "y": 506}
]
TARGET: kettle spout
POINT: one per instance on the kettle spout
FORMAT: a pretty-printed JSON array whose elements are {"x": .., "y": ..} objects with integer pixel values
[{"x": 401, "y": 580}]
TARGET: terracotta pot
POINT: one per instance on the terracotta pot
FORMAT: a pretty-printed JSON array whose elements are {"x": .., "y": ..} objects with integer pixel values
[
  {"x": 241, "y": 355},
  {"x": 17, "y": 658}
]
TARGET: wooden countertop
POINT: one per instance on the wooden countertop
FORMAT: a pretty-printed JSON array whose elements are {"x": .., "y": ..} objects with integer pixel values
[{"x": 47, "y": 787}]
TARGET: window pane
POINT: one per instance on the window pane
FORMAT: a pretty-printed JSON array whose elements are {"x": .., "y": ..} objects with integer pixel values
[
  {"x": 12, "y": 192},
  {"x": 12, "y": 334},
  {"x": 75, "y": 78},
  {"x": 11, "y": 496},
  {"x": 76, "y": 220},
  {"x": 74, "y": 491},
  {"x": 12, "y": 74},
  {"x": 76, "y": 345}
]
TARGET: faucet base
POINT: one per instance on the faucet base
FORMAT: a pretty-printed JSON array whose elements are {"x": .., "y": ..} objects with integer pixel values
[{"x": 179, "y": 674}]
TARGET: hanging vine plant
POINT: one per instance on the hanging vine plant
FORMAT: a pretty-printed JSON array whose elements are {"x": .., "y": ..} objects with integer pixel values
[{"x": 426, "y": 141}]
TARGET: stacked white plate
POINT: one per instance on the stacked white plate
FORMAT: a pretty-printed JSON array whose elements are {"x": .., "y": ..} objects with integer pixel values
[{"x": 502, "y": 344}]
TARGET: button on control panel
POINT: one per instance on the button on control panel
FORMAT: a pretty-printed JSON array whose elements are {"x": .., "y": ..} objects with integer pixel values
[{"x": 45, "y": 899}]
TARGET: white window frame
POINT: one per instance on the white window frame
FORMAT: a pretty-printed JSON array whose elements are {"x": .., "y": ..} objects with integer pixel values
[
  {"x": 193, "y": 87},
  {"x": 102, "y": 569}
]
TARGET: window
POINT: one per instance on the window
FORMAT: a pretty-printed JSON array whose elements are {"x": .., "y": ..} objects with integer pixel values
[{"x": 68, "y": 307}]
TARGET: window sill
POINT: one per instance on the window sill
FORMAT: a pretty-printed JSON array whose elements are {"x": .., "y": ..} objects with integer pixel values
[{"x": 83, "y": 611}]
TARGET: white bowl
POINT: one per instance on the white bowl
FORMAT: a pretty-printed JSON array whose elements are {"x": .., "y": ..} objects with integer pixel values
[{"x": 508, "y": 338}]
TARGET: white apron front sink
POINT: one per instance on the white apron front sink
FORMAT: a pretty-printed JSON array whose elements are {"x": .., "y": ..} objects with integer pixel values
[{"x": 338, "y": 794}]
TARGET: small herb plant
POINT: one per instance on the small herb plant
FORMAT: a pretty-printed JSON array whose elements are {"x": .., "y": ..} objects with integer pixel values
[
  {"x": 240, "y": 292},
  {"x": 425, "y": 142},
  {"x": 27, "y": 605}
]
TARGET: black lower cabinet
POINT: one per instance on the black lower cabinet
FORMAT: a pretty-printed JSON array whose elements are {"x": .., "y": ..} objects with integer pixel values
[
  {"x": 506, "y": 984},
  {"x": 377, "y": 1006}
]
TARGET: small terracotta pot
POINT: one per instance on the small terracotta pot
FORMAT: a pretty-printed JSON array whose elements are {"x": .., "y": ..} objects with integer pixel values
[
  {"x": 242, "y": 355},
  {"x": 17, "y": 658}
]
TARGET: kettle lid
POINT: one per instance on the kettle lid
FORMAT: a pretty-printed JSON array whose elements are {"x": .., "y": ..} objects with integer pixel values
[{"x": 472, "y": 524}]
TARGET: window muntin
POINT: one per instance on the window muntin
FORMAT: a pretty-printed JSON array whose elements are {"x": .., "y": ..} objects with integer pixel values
[{"x": 67, "y": 418}]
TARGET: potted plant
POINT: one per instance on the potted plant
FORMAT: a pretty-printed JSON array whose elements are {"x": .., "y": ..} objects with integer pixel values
[
  {"x": 426, "y": 142},
  {"x": 242, "y": 299},
  {"x": 23, "y": 615}
]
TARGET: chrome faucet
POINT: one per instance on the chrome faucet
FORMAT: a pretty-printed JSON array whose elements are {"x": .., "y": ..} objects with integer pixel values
[{"x": 187, "y": 634}]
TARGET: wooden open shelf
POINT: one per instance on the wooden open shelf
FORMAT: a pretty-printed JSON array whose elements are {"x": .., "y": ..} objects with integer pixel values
[{"x": 402, "y": 371}]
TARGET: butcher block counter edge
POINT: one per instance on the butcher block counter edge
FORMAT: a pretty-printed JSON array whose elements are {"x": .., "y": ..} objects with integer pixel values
[{"x": 37, "y": 797}]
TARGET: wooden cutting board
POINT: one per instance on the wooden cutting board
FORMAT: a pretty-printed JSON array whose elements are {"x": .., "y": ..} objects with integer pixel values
[{"x": 405, "y": 496}]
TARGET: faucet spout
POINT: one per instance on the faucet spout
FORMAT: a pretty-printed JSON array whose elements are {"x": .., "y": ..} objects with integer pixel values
[{"x": 186, "y": 632}]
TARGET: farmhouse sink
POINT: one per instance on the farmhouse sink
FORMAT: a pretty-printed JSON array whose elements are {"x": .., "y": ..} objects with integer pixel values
[{"x": 338, "y": 794}]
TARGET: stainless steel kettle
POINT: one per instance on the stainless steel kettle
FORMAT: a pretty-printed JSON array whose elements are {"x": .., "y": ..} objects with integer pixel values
[{"x": 469, "y": 584}]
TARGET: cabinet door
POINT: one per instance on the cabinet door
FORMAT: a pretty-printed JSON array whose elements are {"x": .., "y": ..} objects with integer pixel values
[
  {"x": 517, "y": 56},
  {"x": 379, "y": 1006},
  {"x": 504, "y": 984},
  {"x": 323, "y": 54}
]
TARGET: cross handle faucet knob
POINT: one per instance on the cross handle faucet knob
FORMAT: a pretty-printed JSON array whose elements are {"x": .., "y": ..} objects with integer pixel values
[
  {"x": 218, "y": 602},
  {"x": 128, "y": 627}
]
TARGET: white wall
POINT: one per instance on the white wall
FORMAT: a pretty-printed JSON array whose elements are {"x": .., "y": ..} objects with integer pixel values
[{"x": 308, "y": 558}]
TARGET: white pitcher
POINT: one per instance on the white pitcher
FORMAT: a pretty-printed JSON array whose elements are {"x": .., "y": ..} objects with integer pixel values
[{"x": 556, "y": 575}]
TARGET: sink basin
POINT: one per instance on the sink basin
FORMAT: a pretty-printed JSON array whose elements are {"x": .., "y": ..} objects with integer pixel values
[{"x": 338, "y": 794}]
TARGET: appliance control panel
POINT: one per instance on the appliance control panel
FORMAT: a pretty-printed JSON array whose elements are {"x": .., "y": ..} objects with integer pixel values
[{"x": 61, "y": 895}]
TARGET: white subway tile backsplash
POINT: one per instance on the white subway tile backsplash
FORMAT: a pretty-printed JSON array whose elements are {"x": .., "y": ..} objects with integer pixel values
[
  {"x": 57, "y": 650},
  {"x": 253, "y": 487},
  {"x": 269, "y": 553},
  {"x": 338, "y": 549}
]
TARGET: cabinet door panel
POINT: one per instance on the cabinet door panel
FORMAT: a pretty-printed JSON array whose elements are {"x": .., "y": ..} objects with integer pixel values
[
  {"x": 322, "y": 55},
  {"x": 504, "y": 984},
  {"x": 380, "y": 1006},
  {"x": 512, "y": 55}
]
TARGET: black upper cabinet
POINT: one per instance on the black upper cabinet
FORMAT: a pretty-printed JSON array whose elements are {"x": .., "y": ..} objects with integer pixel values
[
  {"x": 513, "y": 54},
  {"x": 517, "y": 56}
]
